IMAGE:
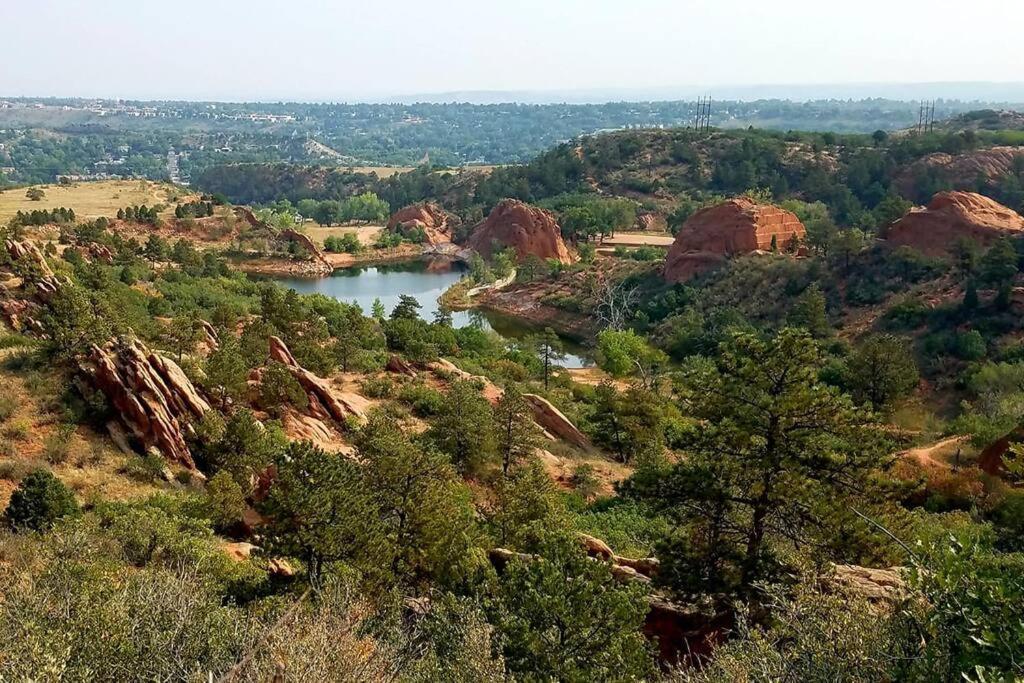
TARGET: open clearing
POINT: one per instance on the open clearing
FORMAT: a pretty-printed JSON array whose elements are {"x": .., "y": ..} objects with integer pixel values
[
  {"x": 367, "y": 234},
  {"x": 638, "y": 239},
  {"x": 91, "y": 199}
]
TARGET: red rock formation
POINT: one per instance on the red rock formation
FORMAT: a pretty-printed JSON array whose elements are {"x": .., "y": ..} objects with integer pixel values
[
  {"x": 962, "y": 170},
  {"x": 427, "y": 216},
  {"x": 152, "y": 396},
  {"x": 738, "y": 226},
  {"x": 551, "y": 420},
  {"x": 653, "y": 222},
  {"x": 25, "y": 251},
  {"x": 95, "y": 252},
  {"x": 525, "y": 228},
  {"x": 322, "y": 398},
  {"x": 935, "y": 229}
]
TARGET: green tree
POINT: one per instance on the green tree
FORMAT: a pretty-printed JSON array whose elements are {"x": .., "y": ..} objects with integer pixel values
[
  {"x": 881, "y": 370},
  {"x": 377, "y": 309},
  {"x": 999, "y": 264},
  {"x": 563, "y": 617},
  {"x": 227, "y": 373},
  {"x": 424, "y": 509},
  {"x": 464, "y": 429},
  {"x": 225, "y": 501},
  {"x": 515, "y": 429},
  {"x": 407, "y": 308},
  {"x": 623, "y": 352},
  {"x": 328, "y": 213},
  {"x": 279, "y": 388},
  {"x": 525, "y": 500},
  {"x": 809, "y": 312},
  {"x": 549, "y": 349},
  {"x": 773, "y": 457},
  {"x": 35, "y": 194},
  {"x": 40, "y": 500},
  {"x": 318, "y": 510},
  {"x": 240, "y": 445}
]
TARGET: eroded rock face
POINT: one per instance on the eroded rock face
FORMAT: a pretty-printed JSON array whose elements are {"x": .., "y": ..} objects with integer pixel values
[
  {"x": 874, "y": 585},
  {"x": 962, "y": 170},
  {"x": 527, "y": 229},
  {"x": 650, "y": 221},
  {"x": 152, "y": 396},
  {"x": 553, "y": 421},
  {"x": 324, "y": 401},
  {"x": 435, "y": 222},
  {"x": 950, "y": 216},
  {"x": 26, "y": 252},
  {"x": 738, "y": 226}
]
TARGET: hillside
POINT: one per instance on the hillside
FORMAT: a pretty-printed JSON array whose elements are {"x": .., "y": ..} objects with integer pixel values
[{"x": 227, "y": 478}]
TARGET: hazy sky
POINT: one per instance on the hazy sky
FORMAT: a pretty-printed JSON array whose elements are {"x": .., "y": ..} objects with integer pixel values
[{"x": 346, "y": 50}]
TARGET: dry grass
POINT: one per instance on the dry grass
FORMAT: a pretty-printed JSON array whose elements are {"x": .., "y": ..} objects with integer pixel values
[
  {"x": 367, "y": 234},
  {"x": 90, "y": 199},
  {"x": 88, "y": 463}
]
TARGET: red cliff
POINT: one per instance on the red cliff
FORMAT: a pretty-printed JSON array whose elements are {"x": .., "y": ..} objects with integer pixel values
[
  {"x": 527, "y": 229},
  {"x": 935, "y": 229},
  {"x": 738, "y": 226},
  {"x": 427, "y": 216}
]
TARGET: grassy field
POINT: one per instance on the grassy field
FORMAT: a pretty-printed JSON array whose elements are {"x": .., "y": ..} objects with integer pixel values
[
  {"x": 367, "y": 234},
  {"x": 90, "y": 199}
]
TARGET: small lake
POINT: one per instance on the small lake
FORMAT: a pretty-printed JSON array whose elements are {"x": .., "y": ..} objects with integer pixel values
[{"x": 426, "y": 280}]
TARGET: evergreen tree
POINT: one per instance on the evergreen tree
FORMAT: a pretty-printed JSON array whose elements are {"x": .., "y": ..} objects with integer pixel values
[
  {"x": 515, "y": 429},
  {"x": 464, "y": 429},
  {"x": 549, "y": 348},
  {"x": 809, "y": 312},
  {"x": 774, "y": 457}
]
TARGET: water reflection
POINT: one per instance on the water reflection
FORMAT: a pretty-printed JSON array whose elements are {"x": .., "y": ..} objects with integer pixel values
[{"x": 426, "y": 280}]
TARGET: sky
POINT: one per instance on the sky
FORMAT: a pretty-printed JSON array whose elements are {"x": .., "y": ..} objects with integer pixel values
[{"x": 319, "y": 50}]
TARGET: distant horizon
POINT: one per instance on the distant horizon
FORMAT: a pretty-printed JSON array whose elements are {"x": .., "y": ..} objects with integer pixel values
[
  {"x": 316, "y": 51},
  {"x": 982, "y": 92}
]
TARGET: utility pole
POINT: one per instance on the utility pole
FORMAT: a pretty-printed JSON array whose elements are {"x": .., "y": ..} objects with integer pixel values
[
  {"x": 696, "y": 117},
  {"x": 707, "y": 123}
]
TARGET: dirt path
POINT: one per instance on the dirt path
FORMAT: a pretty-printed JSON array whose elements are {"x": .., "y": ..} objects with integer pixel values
[{"x": 936, "y": 454}]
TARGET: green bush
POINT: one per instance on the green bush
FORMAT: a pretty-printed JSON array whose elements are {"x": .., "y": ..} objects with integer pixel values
[
  {"x": 424, "y": 400},
  {"x": 39, "y": 501}
]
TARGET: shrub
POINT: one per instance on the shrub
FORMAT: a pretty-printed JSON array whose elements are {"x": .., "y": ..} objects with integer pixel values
[
  {"x": 8, "y": 406},
  {"x": 39, "y": 501},
  {"x": 378, "y": 387},
  {"x": 225, "y": 500},
  {"x": 58, "y": 444},
  {"x": 424, "y": 400}
]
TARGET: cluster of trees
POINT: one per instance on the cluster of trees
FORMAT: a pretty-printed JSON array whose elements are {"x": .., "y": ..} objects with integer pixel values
[
  {"x": 348, "y": 243},
  {"x": 365, "y": 207},
  {"x": 199, "y": 209},
  {"x": 59, "y": 216},
  {"x": 140, "y": 214}
]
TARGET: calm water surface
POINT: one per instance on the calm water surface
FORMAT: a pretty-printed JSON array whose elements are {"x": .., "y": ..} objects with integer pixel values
[{"x": 425, "y": 280}]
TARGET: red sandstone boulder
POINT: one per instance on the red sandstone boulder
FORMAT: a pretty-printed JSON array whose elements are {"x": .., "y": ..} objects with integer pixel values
[
  {"x": 738, "y": 226},
  {"x": 427, "y": 216},
  {"x": 152, "y": 396},
  {"x": 935, "y": 229},
  {"x": 527, "y": 229}
]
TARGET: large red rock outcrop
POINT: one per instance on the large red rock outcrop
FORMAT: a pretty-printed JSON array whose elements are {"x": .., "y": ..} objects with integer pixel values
[
  {"x": 962, "y": 170},
  {"x": 323, "y": 400},
  {"x": 427, "y": 216},
  {"x": 527, "y": 229},
  {"x": 738, "y": 226},
  {"x": 935, "y": 229},
  {"x": 153, "y": 397}
]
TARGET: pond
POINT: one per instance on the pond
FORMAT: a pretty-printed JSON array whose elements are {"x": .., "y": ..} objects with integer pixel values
[{"x": 426, "y": 280}]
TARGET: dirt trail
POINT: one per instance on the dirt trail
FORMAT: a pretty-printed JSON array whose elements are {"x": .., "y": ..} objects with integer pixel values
[{"x": 931, "y": 455}]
